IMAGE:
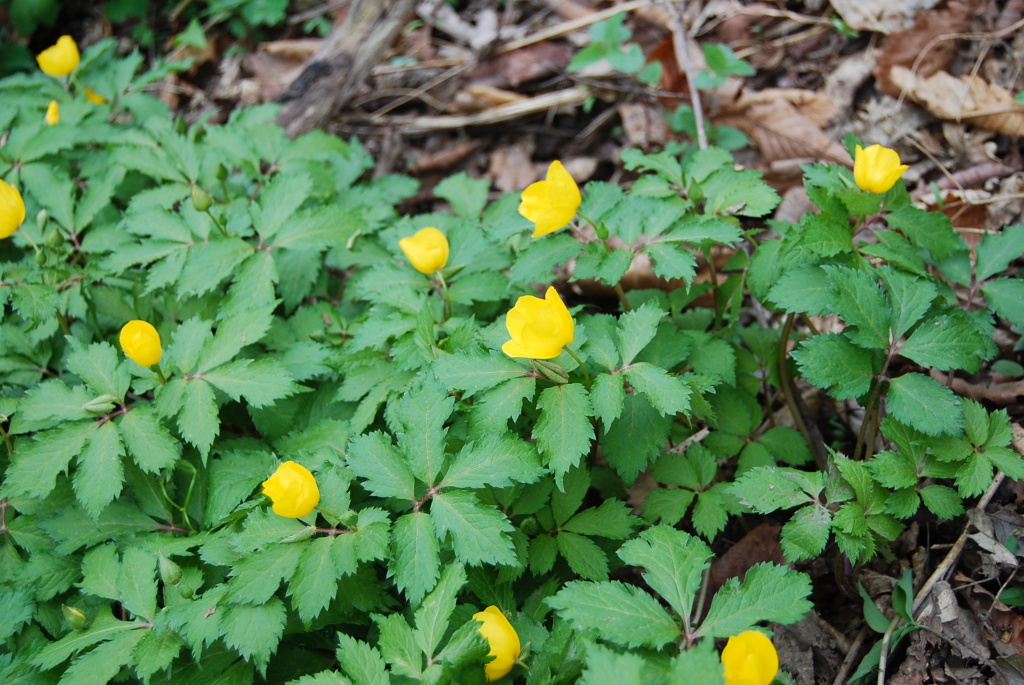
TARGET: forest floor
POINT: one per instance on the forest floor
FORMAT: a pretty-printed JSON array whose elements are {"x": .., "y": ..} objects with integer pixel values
[{"x": 485, "y": 87}]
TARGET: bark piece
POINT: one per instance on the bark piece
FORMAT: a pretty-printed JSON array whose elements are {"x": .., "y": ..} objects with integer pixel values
[{"x": 344, "y": 60}]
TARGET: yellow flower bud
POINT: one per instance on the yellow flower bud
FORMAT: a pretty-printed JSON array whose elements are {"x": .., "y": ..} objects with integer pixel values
[
  {"x": 94, "y": 97},
  {"x": 750, "y": 659},
  {"x": 552, "y": 203},
  {"x": 52, "y": 113},
  {"x": 141, "y": 343},
  {"x": 502, "y": 638},
  {"x": 539, "y": 328},
  {"x": 76, "y": 618},
  {"x": 876, "y": 169},
  {"x": 60, "y": 59},
  {"x": 293, "y": 490},
  {"x": 427, "y": 250},
  {"x": 12, "y": 209}
]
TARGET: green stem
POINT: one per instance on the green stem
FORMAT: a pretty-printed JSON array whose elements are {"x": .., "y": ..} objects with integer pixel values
[
  {"x": 586, "y": 374},
  {"x": 602, "y": 235},
  {"x": 216, "y": 222},
  {"x": 188, "y": 493},
  {"x": 714, "y": 288},
  {"x": 63, "y": 321},
  {"x": 160, "y": 375},
  {"x": 7, "y": 441},
  {"x": 447, "y": 297}
]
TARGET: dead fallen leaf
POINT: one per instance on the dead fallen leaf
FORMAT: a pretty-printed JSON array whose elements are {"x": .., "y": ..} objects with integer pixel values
[
  {"x": 277, "y": 63},
  {"x": 760, "y": 544},
  {"x": 965, "y": 99},
  {"x": 510, "y": 167},
  {"x": 643, "y": 125},
  {"x": 528, "y": 63},
  {"x": 919, "y": 48},
  {"x": 883, "y": 16}
]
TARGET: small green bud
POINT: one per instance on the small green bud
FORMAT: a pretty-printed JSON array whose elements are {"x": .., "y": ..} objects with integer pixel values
[
  {"x": 55, "y": 239},
  {"x": 104, "y": 404},
  {"x": 75, "y": 617},
  {"x": 41, "y": 218},
  {"x": 552, "y": 371},
  {"x": 529, "y": 526},
  {"x": 184, "y": 591},
  {"x": 170, "y": 572},
  {"x": 201, "y": 199},
  {"x": 222, "y": 173},
  {"x": 40, "y": 258}
]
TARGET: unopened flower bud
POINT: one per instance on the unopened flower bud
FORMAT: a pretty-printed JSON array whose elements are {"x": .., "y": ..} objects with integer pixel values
[
  {"x": 40, "y": 258},
  {"x": 170, "y": 572},
  {"x": 54, "y": 238},
  {"x": 201, "y": 199},
  {"x": 529, "y": 526},
  {"x": 552, "y": 371},
  {"x": 104, "y": 404},
  {"x": 184, "y": 591},
  {"x": 41, "y": 218},
  {"x": 75, "y": 617}
]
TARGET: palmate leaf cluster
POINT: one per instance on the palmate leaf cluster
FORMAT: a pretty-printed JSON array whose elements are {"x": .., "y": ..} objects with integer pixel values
[{"x": 136, "y": 546}]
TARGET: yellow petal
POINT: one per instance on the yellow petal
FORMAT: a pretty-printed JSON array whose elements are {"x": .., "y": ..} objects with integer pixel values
[
  {"x": 293, "y": 490},
  {"x": 427, "y": 250},
  {"x": 141, "y": 342},
  {"x": 503, "y": 640},
  {"x": 52, "y": 113},
  {"x": 61, "y": 58},
  {"x": 876, "y": 169},
  {"x": 94, "y": 97},
  {"x": 552, "y": 203},
  {"x": 12, "y": 209},
  {"x": 750, "y": 659}
]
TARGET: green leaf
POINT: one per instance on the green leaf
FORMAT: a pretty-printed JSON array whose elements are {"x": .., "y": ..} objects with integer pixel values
[
  {"x": 50, "y": 404},
  {"x": 416, "y": 562},
  {"x": 894, "y": 470},
  {"x": 768, "y": 593},
  {"x": 874, "y": 617},
  {"x": 34, "y": 468},
  {"x": 801, "y": 290},
  {"x": 674, "y": 564},
  {"x": 543, "y": 553},
  {"x": 805, "y": 535},
  {"x": 259, "y": 382},
  {"x": 617, "y": 612},
  {"x": 278, "y": 201},
  {"x": 495, "y": 407},
  {"x": 612, "y": 519},
  {"x": 417, "y": 419},
  {"x": 99, "y": 666},
  {"x": 666, "y": 505},
  {"x": 155, "y": 651},
  {"x": 35, "y": 302},
  {"x": 187, "y": 343},
  {"x": 100, "y": 570},
  {"x": 254, "y": 631},
  {"x": 479, "y": 532},
  {"x": 787, "y": 445},
  {"x": 100, "y": 472},
  {"x": 769, "y": 488},
  {"x": 909, "y": 299},
  {"x": 925, "y": 404},
  {"x": 636, "y": 329},
  {"x": 856, "y": 297},
  {"x": 997, "y": 250},
  {"x": 211, "y": 263},
  {"x": 942, "y": 501},
  {"x": 637, "y": 437},
  {"x": 585, "y": 558},
  {"x": 433, "y": 616},
  {"x": 255, "y": 578},
  {"x": 931, "y": 230},
  {"x": 710, "y": 513},
  {"x": 361, "y": 662},
  {"x": 199, "y": 420},
  {"x": 666, "y": 392},
  {"x": 825, "y": 235},
  {"x": 472, "y": 374},
  {"x": 974, "y": 475},
  {"x": 466, "y": 195},
  {"x": 314, "y": 582},
  {"x": 16, "y": 608},
  {"x": 706, "y": 229},
  {"x": 147, "y": 440},
  {"x": 607, "y": 395},
  {"x": 386, "y": 474},
  {"x": 832, "y": 361},
  {"x": 671, "y": 261},
  {"x": 233, "y": 475},
  {"x": 726, "y": 189},
  {"x": 563, "y": 432},
  {"x": 136, "y": 581},
  {"x": 104, "y": 627},
  {"x": 1006, "y": 297},
  {"x": 98, "y": 366},
  {"x": 398, "y": 645},
  {"x": 494, "y": 461},
  {"x": 604, "y": 665},
  {"x": 944, "y": 343}
]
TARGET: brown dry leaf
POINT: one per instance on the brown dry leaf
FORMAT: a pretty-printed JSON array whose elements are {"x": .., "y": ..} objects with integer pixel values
[
  {"x": 914, "y": 48},
  {"x": 534, "y": 61},
  {"x": 760, "y": 544},
  {"x": 511, "y": 168},
  {"x": 883, "y": 16},
  {"x": 277, "y": 63},
  {"x": 786, "y": 124},
  {"x": 965, "y": 99},
  {"x": 643, "y": 125}
]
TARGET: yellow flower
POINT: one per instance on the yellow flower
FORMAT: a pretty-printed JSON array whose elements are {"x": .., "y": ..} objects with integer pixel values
[
  {"x": 502, "y": 638},
  {"x": 539, "y": 328},
  {"x": 551, "y": 204},
  {"x": 750, "y": 659},
  {"x": 427, "y": 250},
  {"x": 141, "y": 342},
  {"x": 876, "y": 169},
  {"x": 293, "y": 490},
  {"x": 94, "y": 97},
  {"x": 60, "y": 59},
  {"x": 12, "y": 209},
  {"x": 52, "y": 113}
]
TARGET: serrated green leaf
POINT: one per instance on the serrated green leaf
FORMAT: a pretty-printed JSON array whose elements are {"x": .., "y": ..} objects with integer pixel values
[
  {"x": 894, "y": 470},
  {"x": 931, "y": 230},
  {"x": 104, "y": 627},
  {"x": 149, "y": 443},
  {"x": 256, "y": 577},
  {"x": 386, "y": 474},
  {"x": 801, "y": 290},
  {"x": 466, "y": 195},
  {"x": 669, "y": 506},
  {"x": 433, "y": 616},
  {"x": 709, "y": 513},
  {"x": 726, "y": 189},
  {"x": 909, "y": 299},
  {"x": 100, "y": 473},
  {"x": 496, "y": 407},
  {"x": 585, "y": 558},
  {"x": 211, "y": 263},
  {"x": 674, "y": 563},
  {"x": 233, "y": 476},
  {"x": 925, "y": 404},
  {"x": 787, "y": 445},
  {"x": 199, "y": 420},
  {"x": 543, "y": 553},
  {"x": 35, "y": 302},
  {"x": 637, "y": 436},
  {"x": 100, "y": 665},
  {"x": 187, "y": 343},
  {"x": 805, "y": 535},
  {"x": 825, "y": 235},
  {"x": 100, "y": 570},
  {"x": 617, "y": 612},
  {"x": 636, "y": 329},
  {"x": 768, "y": 488},
  {"x": 942, "y": 501},
  {"x": 974, "y": 475},
  {"x": 604, "y": 665},
  {"x": 416, "y": 562},
  {"x": 495, "y": 461},
  {"x": 471, "y": 373},
  {"x": 768, "y": 593},
  {"x": 671, "y": 261},
  {"x": 278, "y": 201},
  {"x": 563, "y": 432},
  {"x": 607, "y": 395},
  {"x": 398, "y": 645},
  {"x": 997, "y": 250},
  {"x": 16, "y": 608},
  {"x": 314, "y": 582},
  {"x": 361, "y": 662},
  {"x": 34, "y": 470},
  {"x": 479, "y": 532},
  {"x": 255, "y": 631},
  {"x": 612, "y": 519},
  {"x": 944, "y": 343},
  {"x": 417, "y": 419},
  {"x": 97, "y": 365},
  {"x": 260, "y": 382},
  {"x": 155, "y": 651},
  {"x": 832, "y": 361},
  {"x": 856, "y": 297},
  {"x": 706, "y": 229},
  {"x": 666, "y": 393},
  {"x": 136, "y": 581},
  {"x": 50, "y": 404},
  {"x": 1006, "y": 297}
]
